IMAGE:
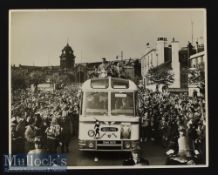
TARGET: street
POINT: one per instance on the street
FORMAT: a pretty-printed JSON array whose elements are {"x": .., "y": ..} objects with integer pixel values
[{"x": 154, "y": 153}]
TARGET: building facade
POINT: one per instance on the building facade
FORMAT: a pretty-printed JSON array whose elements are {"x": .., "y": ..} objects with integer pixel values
[
  {"x": 198, "y": 60},
  {"x": 197, "y": 74},
  {"x": 67, "y": 58},
  {"x": 162, "y": 54}
]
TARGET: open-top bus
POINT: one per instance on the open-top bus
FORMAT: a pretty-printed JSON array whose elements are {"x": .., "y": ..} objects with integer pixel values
[{"x": 108, "y": 120}]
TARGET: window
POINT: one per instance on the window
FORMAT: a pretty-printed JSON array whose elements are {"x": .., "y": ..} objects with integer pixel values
[
  {"x": 122, "y": 103},
  {"x": 99, "y": 83},
  {"x": 148, "y": 61},
  {"x": 96, "y": 103},
  {"x": 151, "y": 62},
  {"x": 120, "y": 84}
]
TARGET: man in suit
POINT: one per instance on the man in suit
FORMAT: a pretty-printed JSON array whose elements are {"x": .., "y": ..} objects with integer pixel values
[
  {"x": 102, "y": 68},
  {"x": 136, "y": 159}
]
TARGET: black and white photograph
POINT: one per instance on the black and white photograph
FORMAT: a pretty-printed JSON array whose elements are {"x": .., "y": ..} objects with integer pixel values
[{"x": 108, "y": 88}]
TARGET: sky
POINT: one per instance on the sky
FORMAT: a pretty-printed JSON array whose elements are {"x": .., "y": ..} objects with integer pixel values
[{"x": 38, "y": 36}]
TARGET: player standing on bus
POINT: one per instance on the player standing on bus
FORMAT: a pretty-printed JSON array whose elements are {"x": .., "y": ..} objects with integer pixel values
[{"x": 102, "y": 68}]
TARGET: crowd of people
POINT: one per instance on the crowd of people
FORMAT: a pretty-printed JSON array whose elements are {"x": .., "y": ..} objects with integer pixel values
[
  {"x": 44, "y": 119},
  {"x": 176, "y": 121},
  {"x": 48, "y": 120}
]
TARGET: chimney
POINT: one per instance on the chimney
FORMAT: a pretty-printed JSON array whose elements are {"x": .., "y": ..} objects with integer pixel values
[
  {"x": 175, "y": 64},
  {"x": 160, "y": 44}
]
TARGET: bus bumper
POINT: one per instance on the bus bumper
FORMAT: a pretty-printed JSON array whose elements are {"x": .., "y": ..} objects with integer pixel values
[{"x": 107, "y": 145}]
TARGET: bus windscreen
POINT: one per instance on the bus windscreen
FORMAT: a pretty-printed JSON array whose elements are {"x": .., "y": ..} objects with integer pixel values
[
  {"x": 96, "y": 103},
  {"x": 122, "y": 103}
]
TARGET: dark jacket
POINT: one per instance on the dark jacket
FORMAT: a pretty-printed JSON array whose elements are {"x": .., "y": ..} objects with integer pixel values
[{"x": 141, "y": 161}]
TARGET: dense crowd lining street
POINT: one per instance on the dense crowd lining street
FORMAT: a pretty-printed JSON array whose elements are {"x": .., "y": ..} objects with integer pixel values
[{"x": 49, "y": 121}]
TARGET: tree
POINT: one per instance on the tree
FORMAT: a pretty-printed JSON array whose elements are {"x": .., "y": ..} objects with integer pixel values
[
  {"x": 19, "y": 80},
  {"x": 62, "y": 78},
  {"x": 36, "y": 77},
  {"x": 160, "y": 76},
  {"x": 197, "y": 76}
]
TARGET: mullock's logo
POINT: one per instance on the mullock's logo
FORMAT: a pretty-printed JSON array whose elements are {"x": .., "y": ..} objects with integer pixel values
[{"x": 35, "y": 162}]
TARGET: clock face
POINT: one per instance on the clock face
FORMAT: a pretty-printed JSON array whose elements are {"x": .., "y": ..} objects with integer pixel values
[{"x": 63, "y": 58}]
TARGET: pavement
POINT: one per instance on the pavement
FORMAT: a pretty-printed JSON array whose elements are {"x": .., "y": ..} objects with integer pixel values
[{"x": 151, "y": 151}]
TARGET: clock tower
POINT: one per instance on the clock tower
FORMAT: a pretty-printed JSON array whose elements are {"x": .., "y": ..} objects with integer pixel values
[{"x": 67, "y": 58}]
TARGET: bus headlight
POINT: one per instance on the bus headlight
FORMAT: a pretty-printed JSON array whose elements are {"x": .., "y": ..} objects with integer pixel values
[
  {"x": 91, "y": 145},
  {"x": 127, "y": 145},
  {"x": 91, "y": 133},
  {"x": 86, "y": 144}
]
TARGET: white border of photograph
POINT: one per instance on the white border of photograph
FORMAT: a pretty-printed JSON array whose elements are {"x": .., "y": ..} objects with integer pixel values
[{"x": 115, "y": 10}]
